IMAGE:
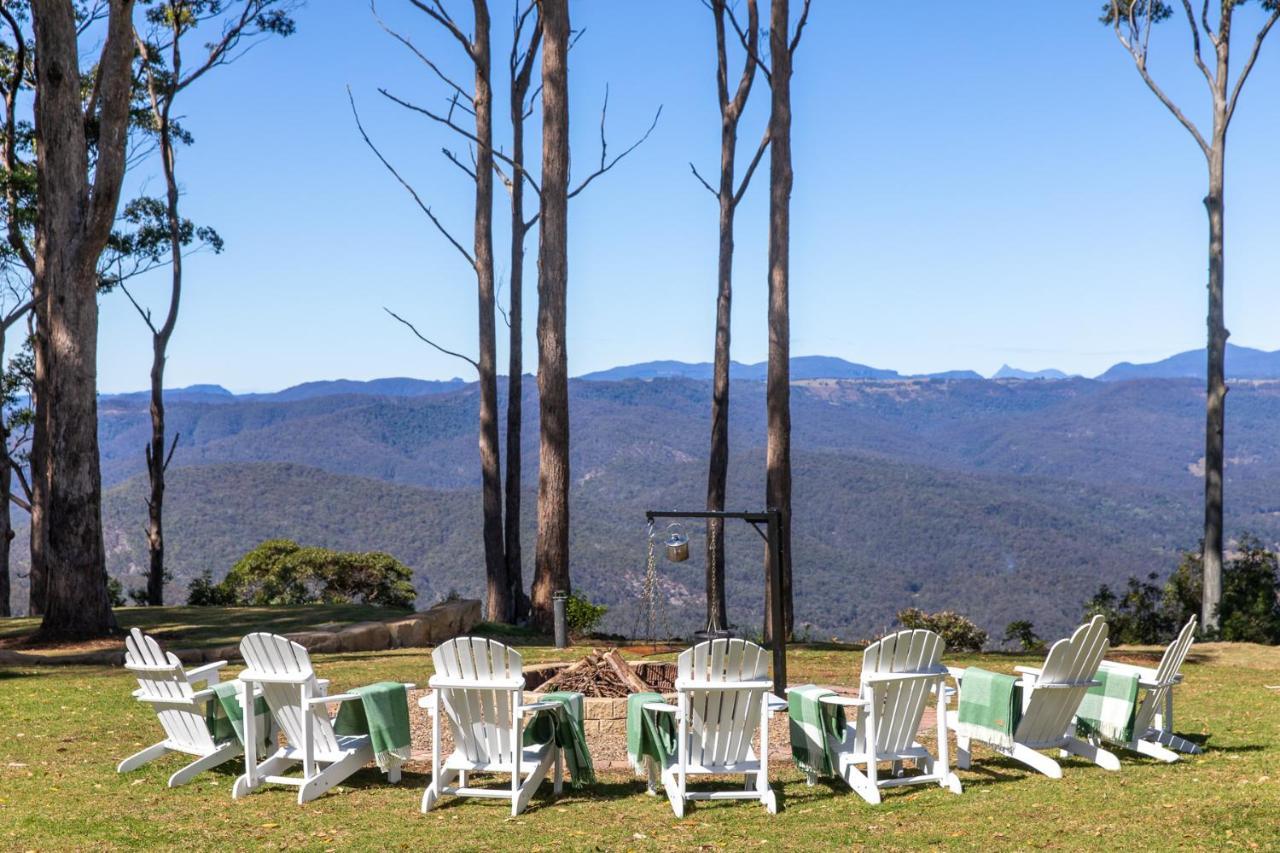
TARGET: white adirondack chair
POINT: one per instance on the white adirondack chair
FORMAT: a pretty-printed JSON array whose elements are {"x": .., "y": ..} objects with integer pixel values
[
  {"x": 1050, "y": 697},
  {"x": 1153, "y": 723},
  {"x": 478, "y": 686},
  {"x": 722, "y": 697},
  {"x": 899, "y": 673},
  {"x": 170, "y": 691},
  {"x": 297, "y": 702}
]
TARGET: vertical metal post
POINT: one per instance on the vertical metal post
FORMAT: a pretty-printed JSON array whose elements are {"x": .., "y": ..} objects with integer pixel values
[
  {"x": 779, "y": 638},
  {"x": 558, "y": 601}
]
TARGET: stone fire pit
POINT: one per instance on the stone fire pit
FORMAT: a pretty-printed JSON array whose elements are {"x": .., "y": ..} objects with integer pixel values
[{"x": 601, "y": 716}]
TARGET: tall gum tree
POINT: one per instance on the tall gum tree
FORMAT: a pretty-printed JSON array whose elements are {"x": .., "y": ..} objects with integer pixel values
[
  {"x": 77, "y": 197},
  {"x": 728, "y": 194},
  {"x": 239, "y": 25},
  {"x": 1133, "y": 22}
]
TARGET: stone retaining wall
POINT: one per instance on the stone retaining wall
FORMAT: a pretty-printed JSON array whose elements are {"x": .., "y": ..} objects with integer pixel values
[{"x": 442, "y": 622}]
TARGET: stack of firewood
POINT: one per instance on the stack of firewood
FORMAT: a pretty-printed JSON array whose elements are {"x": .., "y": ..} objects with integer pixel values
[{"x": 603, "y": 673}]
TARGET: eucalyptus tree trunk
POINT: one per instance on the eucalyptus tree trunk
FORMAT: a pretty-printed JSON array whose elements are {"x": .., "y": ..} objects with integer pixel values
[
  {"x": 778, "y": 380},
  {"x": 551, "y": 561},
  {"x": 38, "y": 532},
  {"x": 6, "y": 495},
  {"x": 1216, "y": 391},
  {"x": 520, "y": 81},
  {"x": 498, "y": 587},
  {"x": 727, "y": 197},
  {"x": 74, "y": 220}
]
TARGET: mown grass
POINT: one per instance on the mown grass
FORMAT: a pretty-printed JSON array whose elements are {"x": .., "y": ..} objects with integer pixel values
[
  {"x": 212, "y": 627},
  {"x": 65, "y": 728}
]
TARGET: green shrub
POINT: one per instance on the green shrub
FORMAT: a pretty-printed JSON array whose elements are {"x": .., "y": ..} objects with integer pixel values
[
  {"x": 281, "y": 572},
  {"x": 1138, "y": 616},
  {"x": 581, "y": 616},
  {"x": 115, "y": 593},
  {"x": 1024, "y": 633},
  {"x": 958, "y": 632},
  {"x": 1250, "y": 608}
]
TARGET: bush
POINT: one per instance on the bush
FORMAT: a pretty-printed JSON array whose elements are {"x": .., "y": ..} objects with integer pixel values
[
  {"x": 581, "y": 616},
  {"x": 958, "y": 632},
  {"x": 1139, "y": 616},
  {"x": 1025, "y": 634},
  {"x": 115, "y": 593},
  {"x": 1250, "y": 609},
  {"x": 281, "y": 572}
]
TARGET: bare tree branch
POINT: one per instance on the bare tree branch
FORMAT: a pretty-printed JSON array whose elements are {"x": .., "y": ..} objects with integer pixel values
[
  {"x": 1195, "y": 40},
  {"x": 144, "y": 313},
  {"x": 804, "y": 19},
  {"x": 432, "y": 343},
  {"x": 751, "y": 168},
  {"x": 749, "y": 43},
  {"x": 605, "y": 167},
  {"x": 1248, "y": 66},
  {"x": 1140, "y": 61},
  {"x": 407, "y": 42},
  {"x": 453, "y": 158},
  {"x": 702, "y": 180},
  {"x": 437, "y": 11},
  {"x": 412, "y": 192},
  {"x": 172, "y": 447},
  {"x": 448, "y": 122}
]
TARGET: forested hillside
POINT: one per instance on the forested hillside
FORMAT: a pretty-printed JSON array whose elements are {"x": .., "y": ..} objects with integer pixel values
[{"x": 1004, "y": 500}]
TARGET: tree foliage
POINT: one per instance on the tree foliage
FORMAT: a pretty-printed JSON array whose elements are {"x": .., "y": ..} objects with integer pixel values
[
  {"x": 282, "y": 572},
  {"x": 957, "y": 631}
]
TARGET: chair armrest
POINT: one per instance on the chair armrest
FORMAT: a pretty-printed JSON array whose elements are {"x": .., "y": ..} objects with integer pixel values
[
  {"x": 1064, "y": 685},
  {"x": 661, "y": 707},
  {"x": 1142, "y": 672},
  {"x": 426, "y": 701},
  {"x": 774, "y": 704},
  {"x": 1029, "y": 670},
  {"x": 323, "y": 700},
  {"x": 203, "y": 673},
  {"x": 888, "y": 677},
  {"x": 534, "y": 707},
  {"x": 846, "y": 701},
  {"x": 957, "y": 672}
]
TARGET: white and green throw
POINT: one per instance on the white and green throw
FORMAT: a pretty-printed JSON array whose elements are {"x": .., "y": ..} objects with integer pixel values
[
  {"x": 990, "y": 707},
  {"x": 1108, "y": 710},
  {"x": 225, "y": 716},
  {"x": 564, "y": 726},
  {"x": 383, "y": 714},
  {"x": 814, "y": 724}
]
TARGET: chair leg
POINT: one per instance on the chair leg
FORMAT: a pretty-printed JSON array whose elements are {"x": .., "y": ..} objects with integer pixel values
[
  {"x": 525, "y": 791},
  {"x": 205, "y": 762},
  {"x": 436, "y": 788},
  {"x": 146, "y": 756},
  {"x": 863, "y": 786},
  {"x": 557, "y": 781},
  {"x": 332, "y": 775},
  {"x": 273, "y": 766},
  {"x": 651, "y": 773},
  {"x": 1096, "y": 754},
  {"x": 748, "y": 781},
  {"x": 1169, "y": 739},
  {"x": 1156, "y": 751},
  {"x": 393, "y": 774},
  {"x": 675, "y": 794},
  {"x": 1037, "y": 761}
]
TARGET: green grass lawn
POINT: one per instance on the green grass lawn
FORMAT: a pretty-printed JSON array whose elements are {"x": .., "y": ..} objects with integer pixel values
[
  {"x": 64, "y": 729},
  {"x": 212, "y": 627}
]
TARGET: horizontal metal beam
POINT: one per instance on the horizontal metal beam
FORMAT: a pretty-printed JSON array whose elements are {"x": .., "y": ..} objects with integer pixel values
[{"x": 706, "y": 513}]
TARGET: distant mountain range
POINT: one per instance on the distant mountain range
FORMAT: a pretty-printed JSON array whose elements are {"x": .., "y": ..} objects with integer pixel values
[
  {"x": 1003, "y": 499},
  {"x": 1242, "y": 363}
]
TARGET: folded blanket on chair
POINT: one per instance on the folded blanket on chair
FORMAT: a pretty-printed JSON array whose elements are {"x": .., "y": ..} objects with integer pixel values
[
  {"x": 990, "y": 707},
  {"x": 650, "y": 734},
  {"x": 813, "y": 725},
  {"x": 383, "y": 714},
  {"x": 225, "y": 716},
  {"x": 1108, "y": 710},
  {"x": 564, "y": 726}
]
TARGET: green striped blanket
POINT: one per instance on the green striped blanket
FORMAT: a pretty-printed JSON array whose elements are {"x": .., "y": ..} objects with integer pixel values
[
  {"x": 1108, "y": 710},
  {"x": 990, "y": 707},
  {"x": 814, "y": 724}
]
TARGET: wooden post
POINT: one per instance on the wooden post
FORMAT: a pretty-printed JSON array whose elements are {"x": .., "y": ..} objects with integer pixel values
[{"x": 779, "y": 638}]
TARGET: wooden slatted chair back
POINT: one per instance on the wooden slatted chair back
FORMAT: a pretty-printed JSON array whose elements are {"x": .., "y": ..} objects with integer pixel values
[
  {"x": 1071, "y": 661},
  {"x": 163, "y": 681},
  {"x": 1166, "y": 673},
  {"x": 900, "y": 705},
  {"x": 273, "y": 655},
  {"x": 722, "y": 722},
  {"x": 480, "y": 716}
]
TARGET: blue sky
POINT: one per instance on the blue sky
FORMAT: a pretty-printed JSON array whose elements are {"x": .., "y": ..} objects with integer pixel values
[{"x": 972, "y": 187}]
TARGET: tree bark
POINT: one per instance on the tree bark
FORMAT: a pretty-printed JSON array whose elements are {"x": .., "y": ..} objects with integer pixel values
[
  {"x": 551, "y": 570},
  {"x": 6, "y": 492},
  {"x": 38, "y": 533},
  {"x": 498, "y": 590},
  {"x": 74, "y": 219},
  {"x": 520, "y": 80},
  {"x": 1216, "y": 391},
  {"x": 727, "y": 198},
  {"x": 778, "y": 381}
]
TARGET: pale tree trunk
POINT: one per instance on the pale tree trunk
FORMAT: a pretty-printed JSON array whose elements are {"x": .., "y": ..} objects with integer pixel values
[
  {"x": 499, "y": 592},
  {"x": 727, "y": 197},
  {"x": 1132, "y": 23},
  {"x": 521, "y": 73},
  {"x": 551, "y": 570},
  {"x": 1215, "y": 405},
  {"x": 6, "y": 495},
  {"x": 778, "y": 380},
  {"x": 73, "y": 222}
]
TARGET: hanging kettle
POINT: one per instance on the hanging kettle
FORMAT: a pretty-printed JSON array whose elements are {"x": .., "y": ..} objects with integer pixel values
[{"x": 677, "y": 543}]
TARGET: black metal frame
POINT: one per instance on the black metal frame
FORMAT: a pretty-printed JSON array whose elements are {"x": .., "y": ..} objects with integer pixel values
[{"x": 772, "y": 519}]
